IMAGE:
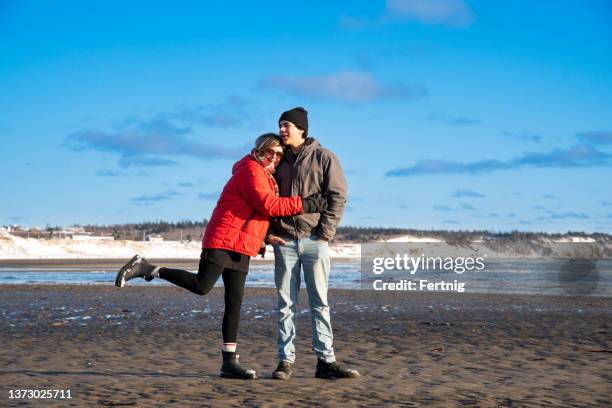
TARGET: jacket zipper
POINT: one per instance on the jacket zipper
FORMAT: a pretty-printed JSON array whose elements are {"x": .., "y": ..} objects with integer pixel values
[{"x": 293, "y": 192}]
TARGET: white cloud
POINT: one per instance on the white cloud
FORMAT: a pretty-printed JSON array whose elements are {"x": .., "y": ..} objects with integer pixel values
[
  {"x": 453, "y": 13},
  {"x": 348, "y": 86}
]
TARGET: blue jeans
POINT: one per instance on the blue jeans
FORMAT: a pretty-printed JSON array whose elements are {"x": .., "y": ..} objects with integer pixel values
[{"x": 311, "y": 255}]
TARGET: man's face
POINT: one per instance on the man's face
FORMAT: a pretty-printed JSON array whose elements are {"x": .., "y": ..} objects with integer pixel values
[{"x": 291, "y": 135}]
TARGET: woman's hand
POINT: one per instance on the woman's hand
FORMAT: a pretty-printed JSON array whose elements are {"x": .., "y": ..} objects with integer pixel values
[{"x": 315, "y": 203}]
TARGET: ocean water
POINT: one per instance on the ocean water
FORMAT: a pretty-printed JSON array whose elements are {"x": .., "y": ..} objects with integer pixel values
[
  {"x": 500, "y": 276},
  {"x": 344, "y": 275}
]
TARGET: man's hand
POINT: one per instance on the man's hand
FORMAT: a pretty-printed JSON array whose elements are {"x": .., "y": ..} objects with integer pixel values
[{"x": 273, "y": 240}]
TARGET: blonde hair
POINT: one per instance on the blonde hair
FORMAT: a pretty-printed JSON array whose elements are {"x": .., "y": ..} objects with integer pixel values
[{"x": 264, "y": 142}]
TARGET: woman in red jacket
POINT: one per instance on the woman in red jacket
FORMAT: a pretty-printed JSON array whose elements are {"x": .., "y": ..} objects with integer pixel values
[{"x": 235, "y": 232}]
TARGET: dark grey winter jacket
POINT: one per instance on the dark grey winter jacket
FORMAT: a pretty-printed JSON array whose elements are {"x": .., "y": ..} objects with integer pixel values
[{"x": 314, "y": 170}]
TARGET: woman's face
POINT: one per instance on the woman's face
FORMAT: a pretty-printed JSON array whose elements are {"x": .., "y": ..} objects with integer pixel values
[{"x": 272, "y": 157}]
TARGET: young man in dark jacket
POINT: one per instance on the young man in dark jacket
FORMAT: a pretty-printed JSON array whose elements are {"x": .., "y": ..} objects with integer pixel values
[{"x": 302, "y": 242}]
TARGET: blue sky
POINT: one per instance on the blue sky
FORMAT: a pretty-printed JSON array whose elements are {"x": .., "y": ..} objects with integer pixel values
[{"x": 444, "y": 113}]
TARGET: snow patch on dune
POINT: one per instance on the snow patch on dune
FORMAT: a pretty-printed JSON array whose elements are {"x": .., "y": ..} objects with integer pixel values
[{"x": 13, "y": 247}]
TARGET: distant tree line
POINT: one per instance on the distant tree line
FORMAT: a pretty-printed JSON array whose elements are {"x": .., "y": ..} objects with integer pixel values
[
  {"x": 365, "y": 234},
  {"x": 188, "y": 229},
  {"x": 184, "y": 229}
]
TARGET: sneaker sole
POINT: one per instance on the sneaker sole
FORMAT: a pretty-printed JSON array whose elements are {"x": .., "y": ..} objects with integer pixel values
[
  {"x": 335, "y": 377},
  {"x": 120, "y": 279},
  {"x": 326, "y": 377}
]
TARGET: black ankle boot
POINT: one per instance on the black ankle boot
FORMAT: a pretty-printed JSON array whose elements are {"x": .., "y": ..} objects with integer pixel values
[
  {"x": 231, "y": 368},
  {"x": 137, "y": 267},
  {"x": 335, "y": 370}
]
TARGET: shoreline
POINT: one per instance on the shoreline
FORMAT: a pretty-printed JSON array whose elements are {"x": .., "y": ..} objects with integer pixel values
[{"x": 110, "y": 263}]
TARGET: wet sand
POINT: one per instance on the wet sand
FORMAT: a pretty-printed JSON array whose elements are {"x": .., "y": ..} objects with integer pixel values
[{"x": 159, "y": 346}]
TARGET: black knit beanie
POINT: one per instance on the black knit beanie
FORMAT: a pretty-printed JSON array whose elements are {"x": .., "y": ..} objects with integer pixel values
[{"x": 298, "y": 116}]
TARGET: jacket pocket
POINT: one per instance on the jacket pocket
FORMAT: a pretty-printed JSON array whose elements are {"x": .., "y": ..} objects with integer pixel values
[
  {"x": 246, "y": 222},
  {"x": 307, "y": 222}
]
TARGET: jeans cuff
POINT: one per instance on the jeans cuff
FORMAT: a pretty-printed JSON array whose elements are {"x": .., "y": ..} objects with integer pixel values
[{"x": 327, "y": 359}]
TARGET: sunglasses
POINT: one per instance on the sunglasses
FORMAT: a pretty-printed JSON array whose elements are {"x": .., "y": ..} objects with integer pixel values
[{"x": 273, "y": 154}]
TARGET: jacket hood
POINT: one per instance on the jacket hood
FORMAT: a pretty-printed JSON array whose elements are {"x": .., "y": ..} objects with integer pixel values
[
  {"x": 310, "y": 145},
  {"x": 241, "y": 163}
]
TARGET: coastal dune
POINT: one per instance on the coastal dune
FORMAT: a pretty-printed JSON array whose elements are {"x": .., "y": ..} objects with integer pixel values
[
  {"x": 15, "y": 248},
  {"x": 18, "y": 248}
]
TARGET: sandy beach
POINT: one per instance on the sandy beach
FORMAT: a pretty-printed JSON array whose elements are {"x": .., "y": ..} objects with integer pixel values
[{"x": 159, "y": 346}]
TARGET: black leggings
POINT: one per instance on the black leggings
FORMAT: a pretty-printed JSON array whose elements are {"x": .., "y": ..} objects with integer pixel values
[{"x": 202, "y": 282}]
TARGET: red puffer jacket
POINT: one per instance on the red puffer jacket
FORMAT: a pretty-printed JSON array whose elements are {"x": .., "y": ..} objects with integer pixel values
[{"x": 241, "y": 218}]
